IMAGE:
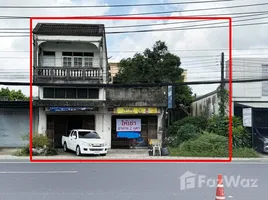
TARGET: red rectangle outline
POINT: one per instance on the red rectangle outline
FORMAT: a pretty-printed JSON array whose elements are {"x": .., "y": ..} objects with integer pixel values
[{"x": 136, "y": 18}]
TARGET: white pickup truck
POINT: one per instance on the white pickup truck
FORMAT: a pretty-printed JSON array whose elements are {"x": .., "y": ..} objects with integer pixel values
[{"x": 84, "y": 142}]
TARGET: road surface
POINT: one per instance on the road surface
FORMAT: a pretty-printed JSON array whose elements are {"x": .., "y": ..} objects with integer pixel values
[{"x": 127, "y": 181}]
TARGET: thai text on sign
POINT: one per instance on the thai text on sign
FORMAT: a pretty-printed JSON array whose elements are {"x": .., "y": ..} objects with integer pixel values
[{"x": 128, "y": 125}]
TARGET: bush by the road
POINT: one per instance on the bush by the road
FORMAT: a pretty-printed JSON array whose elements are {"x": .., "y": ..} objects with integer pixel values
[
  {"x": 184, "y": 133},
  {"x": 205, "y": 145},
  {"x": 39, "y": 143},
  {"x": 199, "y": 122}
]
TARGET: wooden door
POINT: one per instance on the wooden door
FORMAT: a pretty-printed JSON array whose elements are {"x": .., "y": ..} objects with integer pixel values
[{"x": 152, "y": 128}]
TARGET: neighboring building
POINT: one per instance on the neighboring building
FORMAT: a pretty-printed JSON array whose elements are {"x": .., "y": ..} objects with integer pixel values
[
  {"x": 184, "y": 74},
  {"x": 114, "y": 69},
  {"x": 253, "y": 94}
]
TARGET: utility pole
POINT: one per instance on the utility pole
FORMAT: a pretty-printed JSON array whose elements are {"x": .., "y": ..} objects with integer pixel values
[{"x": 222, "y": 78}]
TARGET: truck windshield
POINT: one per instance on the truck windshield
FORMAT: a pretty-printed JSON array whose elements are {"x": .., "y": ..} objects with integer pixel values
[{"x": 85, "y": 134}]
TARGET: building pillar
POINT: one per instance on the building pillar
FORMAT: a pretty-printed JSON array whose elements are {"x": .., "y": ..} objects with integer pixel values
[
  {"x": 42, "y": 121},
  {"x": 160, "y": 124}
]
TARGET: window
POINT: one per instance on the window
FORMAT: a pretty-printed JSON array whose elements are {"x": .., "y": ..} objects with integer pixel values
[
  {"x": 88, "y": 62},
  {"x": 48, "y": 53},
  {"x": 67, "y": 61},
  {"x": 78, "y": 61},
  {"x": 88, "y": 135},
  {"x": 71, "y": 93},
  {"x": 60, "y": 93},
  {"x": 48, "y": 93},
  {"x": 82, "y": 93},
  {"x": 93, "y": 93}
]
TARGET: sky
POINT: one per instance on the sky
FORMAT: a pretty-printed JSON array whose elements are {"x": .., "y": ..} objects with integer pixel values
[{"x": 199, "y": 49}]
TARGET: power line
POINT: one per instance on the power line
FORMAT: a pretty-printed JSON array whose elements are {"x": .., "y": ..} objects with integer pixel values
[
  {"x": 170, "y": 50},
  {"x": 9, "y": 30},
  {"x": 119, "y": 5},
  {"x": 166, "y": 29},
  {"x": 136, "y": 85},
  {"x": 165, "y": 12}
]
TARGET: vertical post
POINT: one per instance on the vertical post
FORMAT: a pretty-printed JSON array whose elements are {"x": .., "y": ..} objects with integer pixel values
[{"x": 222, "y": 81}]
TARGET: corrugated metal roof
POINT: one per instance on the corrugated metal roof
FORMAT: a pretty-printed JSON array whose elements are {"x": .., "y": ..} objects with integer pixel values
[
  {"x": 69, "y": 29},
  {"x": 256, "y": 104}
]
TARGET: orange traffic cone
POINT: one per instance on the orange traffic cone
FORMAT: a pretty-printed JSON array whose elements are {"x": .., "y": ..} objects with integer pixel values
[{"x": 220, "y": 189}]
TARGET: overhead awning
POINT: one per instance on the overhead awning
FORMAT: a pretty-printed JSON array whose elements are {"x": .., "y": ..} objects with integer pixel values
[{"x": 254, "y": 105}]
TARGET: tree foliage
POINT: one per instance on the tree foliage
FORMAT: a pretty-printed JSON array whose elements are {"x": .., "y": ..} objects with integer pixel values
[
  {"x": 12, "y": 95},
  {"x": 156, "y": 65}
]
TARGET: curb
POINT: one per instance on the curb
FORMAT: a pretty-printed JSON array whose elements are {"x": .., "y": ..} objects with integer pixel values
[{"x": 138, "y": 157}]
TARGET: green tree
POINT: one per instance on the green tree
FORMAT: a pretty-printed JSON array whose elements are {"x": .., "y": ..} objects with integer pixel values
[
  {"x": 12, "y": 95},
  {"x": 156, "y": 65}
]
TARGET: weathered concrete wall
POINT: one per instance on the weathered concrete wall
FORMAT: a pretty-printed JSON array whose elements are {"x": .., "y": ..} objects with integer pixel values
[
  {"x": 206, "y": 105},
  {"x": 137, "y": 96}
]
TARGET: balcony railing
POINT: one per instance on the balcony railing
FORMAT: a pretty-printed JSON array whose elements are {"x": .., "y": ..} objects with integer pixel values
[{"x": 66, "y": 73}]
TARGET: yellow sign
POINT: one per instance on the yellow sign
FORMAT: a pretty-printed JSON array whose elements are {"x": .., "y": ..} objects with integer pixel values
[{"x": 136, "y": 110}]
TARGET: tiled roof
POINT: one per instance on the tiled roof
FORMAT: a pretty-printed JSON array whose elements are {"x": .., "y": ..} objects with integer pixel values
[{"x": 69, "y": 29}]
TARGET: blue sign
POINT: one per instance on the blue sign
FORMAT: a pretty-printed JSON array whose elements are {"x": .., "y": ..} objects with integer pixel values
[
  {"x": 128, "y": 134},
  {"x": 170, "y": 97},
  {"x": 57, "y": 109}
]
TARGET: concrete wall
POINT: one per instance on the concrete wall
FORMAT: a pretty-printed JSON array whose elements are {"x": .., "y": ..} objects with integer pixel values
[
  {"x": 138, "y": 96},
  {"x": 206, "y": 105}
]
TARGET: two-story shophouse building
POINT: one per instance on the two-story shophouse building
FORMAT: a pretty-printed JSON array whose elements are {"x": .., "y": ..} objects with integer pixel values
[
  {"x": 70, "y": 68},
  {"x": 68, "y": 61}
]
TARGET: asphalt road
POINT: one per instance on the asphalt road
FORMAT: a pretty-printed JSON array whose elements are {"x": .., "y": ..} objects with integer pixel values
[{"x": 127, "y": 181}]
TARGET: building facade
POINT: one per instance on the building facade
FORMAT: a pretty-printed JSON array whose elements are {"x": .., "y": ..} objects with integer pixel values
[
  {"x": 70, "y": 63},
  {"x": 68, "y": 58}
]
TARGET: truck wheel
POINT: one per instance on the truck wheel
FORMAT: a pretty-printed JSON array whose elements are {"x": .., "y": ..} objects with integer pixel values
[
  {"x": 65, "y": 149},
  {"x": 78, "y": 152}
]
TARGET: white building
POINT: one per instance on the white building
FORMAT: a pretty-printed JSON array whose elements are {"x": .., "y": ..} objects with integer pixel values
[
  {"x": 67, "y": 59},
  {"x": 246, "y": 94}
]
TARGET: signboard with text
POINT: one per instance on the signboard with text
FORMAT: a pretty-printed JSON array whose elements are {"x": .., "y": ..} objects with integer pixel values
[
  {"x": 125, "y": 125},
  {"x": 136, "y": 110},
  {"x": 247, "y": 117}
]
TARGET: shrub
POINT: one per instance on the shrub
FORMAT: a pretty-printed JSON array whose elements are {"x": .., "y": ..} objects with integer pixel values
[
  {"x": 220, "y": 126},
  {"x": 241, "y": 137},
  {"x": 51, "y": 151},
  {"x": 198, "y": 122},
  {"x": 184, "y": 133},
  {"x": 38, "y": 140},
  {"x": 207, "y": 144}
]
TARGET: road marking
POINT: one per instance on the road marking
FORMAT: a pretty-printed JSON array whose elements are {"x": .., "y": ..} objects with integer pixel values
[{"x": 38, "y": 172}]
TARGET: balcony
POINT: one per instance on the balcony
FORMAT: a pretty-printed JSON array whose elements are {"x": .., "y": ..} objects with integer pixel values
[{"x": 42, "y": 75}]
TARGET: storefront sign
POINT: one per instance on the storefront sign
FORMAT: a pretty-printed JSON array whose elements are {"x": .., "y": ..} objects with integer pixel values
[
  {"x": 136, "y": 110},
  {"x": 58, "y": 109},
  {"x": 124, "y": 125}
]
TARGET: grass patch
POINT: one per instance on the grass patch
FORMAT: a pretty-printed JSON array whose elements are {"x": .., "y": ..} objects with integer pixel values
[
  {"x": 245, "y": 153},
  {"x": 237, "y": 153}
]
